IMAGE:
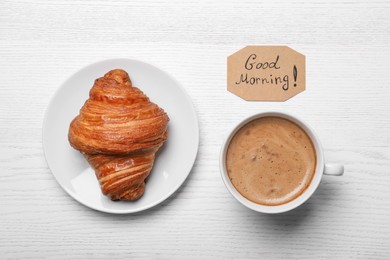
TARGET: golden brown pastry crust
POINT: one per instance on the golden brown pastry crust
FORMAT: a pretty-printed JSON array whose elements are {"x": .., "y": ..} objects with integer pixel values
[{"x": 119, "y": 131}]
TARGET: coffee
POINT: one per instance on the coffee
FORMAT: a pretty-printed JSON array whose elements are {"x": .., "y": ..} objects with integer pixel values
[{"x": 271, "y": 161}]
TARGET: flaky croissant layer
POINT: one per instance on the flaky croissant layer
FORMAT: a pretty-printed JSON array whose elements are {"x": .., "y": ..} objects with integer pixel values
[{"x": 119, "y": 130}]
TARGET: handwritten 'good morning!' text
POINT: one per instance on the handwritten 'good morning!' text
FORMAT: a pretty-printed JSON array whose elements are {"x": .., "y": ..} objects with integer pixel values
[{"x": 261, "y": 68}]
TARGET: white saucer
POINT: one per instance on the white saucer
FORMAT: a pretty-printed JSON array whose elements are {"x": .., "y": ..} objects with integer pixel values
[{"x": 173, "y": 162}]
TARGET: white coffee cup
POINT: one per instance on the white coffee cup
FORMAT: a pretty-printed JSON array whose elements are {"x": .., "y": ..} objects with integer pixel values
[{"x": 321, "y": 167}]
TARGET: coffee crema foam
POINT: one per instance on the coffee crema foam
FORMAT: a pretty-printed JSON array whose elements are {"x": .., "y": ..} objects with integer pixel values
[{"x": 271, "y": 161}]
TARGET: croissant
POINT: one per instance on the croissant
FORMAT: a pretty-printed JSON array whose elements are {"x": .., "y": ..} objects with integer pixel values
[{"x": 119, "y": 130}]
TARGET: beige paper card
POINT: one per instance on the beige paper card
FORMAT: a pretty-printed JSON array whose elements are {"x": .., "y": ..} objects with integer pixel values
[{"x": 266, "y": 73}]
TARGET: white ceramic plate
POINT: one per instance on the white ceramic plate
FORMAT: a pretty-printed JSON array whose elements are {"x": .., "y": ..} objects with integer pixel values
[{"x": 173, "y": 162}]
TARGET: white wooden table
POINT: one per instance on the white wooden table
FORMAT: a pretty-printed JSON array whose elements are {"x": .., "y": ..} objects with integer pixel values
[{"x": 347, "y": 102}]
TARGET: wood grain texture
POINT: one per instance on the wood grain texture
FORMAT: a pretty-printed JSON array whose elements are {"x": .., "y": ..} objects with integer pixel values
[{"x": 346, "y": 44}]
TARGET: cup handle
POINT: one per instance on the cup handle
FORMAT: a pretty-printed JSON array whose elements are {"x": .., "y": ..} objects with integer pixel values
[{"x": 334, "y": 169}]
